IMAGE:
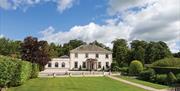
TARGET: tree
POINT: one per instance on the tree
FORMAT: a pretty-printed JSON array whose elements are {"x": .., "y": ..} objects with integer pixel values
[
  {"x": 155, "y": 51},
  {"x": 135, "y": 67},
  {"x": 177, "y": 54},
  {"x": 35, "y": 51},
  {"x": 53, "y": 50},
  {"x": 171, "y": 78},
  {"x": 138, "y": 50},
  {"x": 100, "y": 45},
  {"x": 9, "y": 47},
  {"x": 120, "y": 51}
]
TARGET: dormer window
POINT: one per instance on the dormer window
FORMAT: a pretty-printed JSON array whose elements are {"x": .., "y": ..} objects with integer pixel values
[
  {"x": 107, "y": 55},
  {"x": 97, "y": 55},
  {"x": 76, "y": 55},
  {"x": 86, "y": 55}
]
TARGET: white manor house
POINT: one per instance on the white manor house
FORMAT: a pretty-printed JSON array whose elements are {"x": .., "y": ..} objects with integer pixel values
[{"x": 84, "y": 57}]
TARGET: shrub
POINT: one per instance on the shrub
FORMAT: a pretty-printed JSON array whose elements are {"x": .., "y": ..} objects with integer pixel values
[
  {"x": 135, "y": 67},
  {"x": 178, "y": 77},
  {"x": 167, "y": 62},
  {"x": 13, "y": 71},
  {"x": 147, "y": 75},
  {"x": 35, "y": 70},
  {"x": 161, "y": 78},
  {"x": 171, "y": 78},
  {"x": 7, "y": 70},
  {"x": 165, "y": 70},
  {"x": 22, "y": 73}
]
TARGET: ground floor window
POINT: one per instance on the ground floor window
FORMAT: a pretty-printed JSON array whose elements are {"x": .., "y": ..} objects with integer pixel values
[
  {"x": 63, "y": 65},
  {"x": 56, "y": 64},
  {"x": 75, "y": 64},
  {"x": 49, "y": 64},
  {"x": 84, "y": 64},
  {"x": 99, "y": 64},
  {"x": 107, "y": 64}
]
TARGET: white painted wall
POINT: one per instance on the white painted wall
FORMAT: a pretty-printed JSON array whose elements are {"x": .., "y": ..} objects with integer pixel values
[{"x": 81, "y": 58}]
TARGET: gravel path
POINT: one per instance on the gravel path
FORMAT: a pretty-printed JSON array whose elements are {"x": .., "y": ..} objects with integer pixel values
[{"x": 138, "y": 85}]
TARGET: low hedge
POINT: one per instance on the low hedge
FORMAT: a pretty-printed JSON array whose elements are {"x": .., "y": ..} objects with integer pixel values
[
  {"x": 147, "y": 75},
  {"x": 14, "y": 72},
  {"x": 166, "y": 70},
  {"x": 161, "y": 78},
  {"x": 167, "y": 62}
]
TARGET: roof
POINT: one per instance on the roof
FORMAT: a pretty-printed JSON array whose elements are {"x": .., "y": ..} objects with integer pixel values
[
  {"x": 90, "y": 48},
  {"x": 64, "y": 56}
]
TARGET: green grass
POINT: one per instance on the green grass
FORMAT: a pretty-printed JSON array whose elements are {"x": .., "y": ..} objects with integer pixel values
[
  {"x": 75, "y": 84},
  {"x": 157, "y": 86}
]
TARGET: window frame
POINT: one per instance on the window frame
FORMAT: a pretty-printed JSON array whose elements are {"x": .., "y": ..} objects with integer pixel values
[
  {"x": 63, "y": 65},
  {"x": 75, "y": 64},
  {"x": 56, "y": 65}
]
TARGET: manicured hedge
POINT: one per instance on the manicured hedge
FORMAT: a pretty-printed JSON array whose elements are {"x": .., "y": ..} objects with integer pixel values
[
  {"x": 166, "y": 70},
  {"x": 14, "y": 72},
  {"x": 22, "y": 73},
  {"x": 167, "y": 62},
  {"x": 35, "y": 70}
]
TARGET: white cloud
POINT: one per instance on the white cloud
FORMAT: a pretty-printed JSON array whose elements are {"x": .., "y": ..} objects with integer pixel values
[
  {"x": 159, "y": 20},
  {"x": 25, "y": 4},
  {"x": 1, "y": 35},
  {"x": 64, "y": 4},
  {"x": 90, "y": 32},
  {"x": 5, "y": 4}
]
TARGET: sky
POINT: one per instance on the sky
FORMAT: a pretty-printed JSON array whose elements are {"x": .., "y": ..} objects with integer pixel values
[{"x": 59, "y": 21}]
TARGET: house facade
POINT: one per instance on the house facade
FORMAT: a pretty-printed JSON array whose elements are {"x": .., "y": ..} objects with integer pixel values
[{"x": 84, "y": 57}]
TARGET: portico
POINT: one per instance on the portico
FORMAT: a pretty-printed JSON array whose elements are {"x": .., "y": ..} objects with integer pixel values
[{"x": 91, "y": 64}]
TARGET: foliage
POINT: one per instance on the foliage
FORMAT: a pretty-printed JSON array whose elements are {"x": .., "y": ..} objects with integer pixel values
[
  {"x": 100, "y": 45},
  {"x": 138, "y": 50},
  {"x": 147, "y": 75},
  {"x": 9, "y": 47},
  {"x": 22, "y": 73},
  {"x": 167, "y": 62},
  {"x": 120, "y": 51},
  {"x": 35, "y": 51},
  {"x": 14, "y": 71},
  {"x": 7, "y": 70},
  {"x": 171, "y": 78},
  {"x": 177, "y": 55},
  {"x": 161, "y": 78},
  {"x": 35, "y": 70},
  {"x": 135, "y": 67},
  {"x": 165, "y": 70},
  {"x": 155, "y": 51},
  {"x": 178, "y": 77}
]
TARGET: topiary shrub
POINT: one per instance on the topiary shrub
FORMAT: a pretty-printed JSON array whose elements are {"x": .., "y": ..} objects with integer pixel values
[
  {"x": 171, "y": 78},
  {"x": 161, "y": 78},
  {"x": 147, "y": 75},
  {"x": 135, "y": 67},
  {"x": 35, "y": 70}
]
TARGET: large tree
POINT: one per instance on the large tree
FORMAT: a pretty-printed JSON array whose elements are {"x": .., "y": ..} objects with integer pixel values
[
  {"x": 138, "y": 50},
  {"x": 120, "y": 51},
  {"x": 100, "y": 45},
  {"x": 155, "y": 51},
  {"x": 35, "y": 51}
]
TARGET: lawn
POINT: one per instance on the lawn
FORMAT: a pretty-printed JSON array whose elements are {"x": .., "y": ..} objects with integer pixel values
[
  {"x": 75, "y": 84},
  {"x": 157, "y": 86}
]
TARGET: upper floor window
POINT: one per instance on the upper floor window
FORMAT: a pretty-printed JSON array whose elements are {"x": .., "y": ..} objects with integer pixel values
[
  {"x": 63, "y": 65},
  {"x": 97, "y": 55},
  {"x": 56, "y": 64},
  {"x": 75, "y": 64},
  {"x": 86, "y": 55},
  {"x": 107, "y": 56},
  {"x": 49, "y": 64},
  {"x": 76, "y": 55}
]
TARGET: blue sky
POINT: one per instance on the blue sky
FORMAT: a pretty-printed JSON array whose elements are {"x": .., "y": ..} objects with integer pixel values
[
  {"x": 59, "y": 21},
  {"x": 16, "y": 24}
]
